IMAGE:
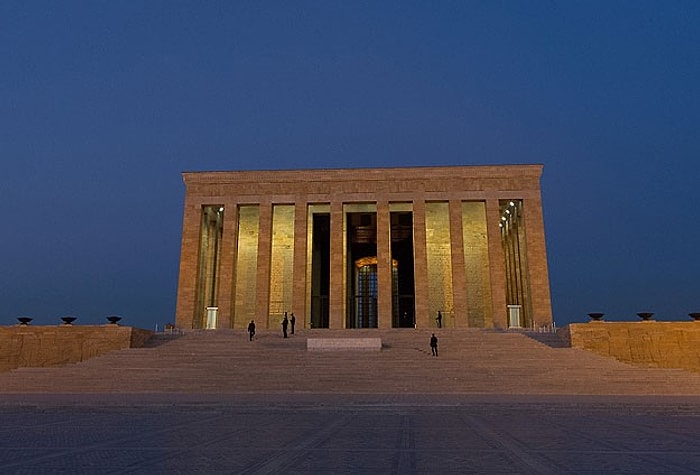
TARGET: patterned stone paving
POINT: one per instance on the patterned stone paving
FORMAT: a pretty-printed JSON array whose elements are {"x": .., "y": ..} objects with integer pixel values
[
  {"x": 321, "y": 433},
  {"x": 217, "y": 403}
]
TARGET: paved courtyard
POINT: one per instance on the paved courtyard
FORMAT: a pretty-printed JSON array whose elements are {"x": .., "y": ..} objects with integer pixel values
[{"x": 347, "y": 433}]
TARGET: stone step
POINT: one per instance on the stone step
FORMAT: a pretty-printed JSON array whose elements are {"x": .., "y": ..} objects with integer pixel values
[{"x": 471, "y": 361}]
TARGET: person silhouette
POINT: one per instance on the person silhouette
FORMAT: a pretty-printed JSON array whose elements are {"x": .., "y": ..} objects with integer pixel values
[
  {"x": 438, "y": 319},
  {"x": 434, "y": 345},
  {"x": 293, "y": 320},
  {"x": 251, "y": 330},
  {"x": 285, "y": 323}
]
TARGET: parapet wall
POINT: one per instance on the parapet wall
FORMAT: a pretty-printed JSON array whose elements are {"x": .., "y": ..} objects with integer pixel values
[
  {"x": 650, "y": 343},
  {"x": 38, "y": 346}
]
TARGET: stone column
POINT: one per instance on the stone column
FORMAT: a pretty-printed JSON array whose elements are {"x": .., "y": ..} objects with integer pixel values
[
  {"x": 384, "y": 274},
  {"x": 420, "y": 266},
  {"x": 262, "y": 288},
  {"x": 226, "y": 265},
  {"x": 537, "y": 262},
  {"x": 337, "y": 289},
  {"x": 187, "y": 281},
  {"x": 496, "y": 264},
  {"x": 300, "y": 252},
  {"x": 459, "y": 279}
]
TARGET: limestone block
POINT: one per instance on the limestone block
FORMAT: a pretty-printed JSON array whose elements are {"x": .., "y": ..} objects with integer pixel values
[
  {"x": 344, "y": 344},
  {"x": 40, "y": 346},
  {"x": 650, "y": 343}
]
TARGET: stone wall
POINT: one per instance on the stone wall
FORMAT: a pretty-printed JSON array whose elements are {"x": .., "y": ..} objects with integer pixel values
[
  {"x": 651, "y": 344},
  {"x": 39, "y": 346},
  {"x": 247, "y": 285}
]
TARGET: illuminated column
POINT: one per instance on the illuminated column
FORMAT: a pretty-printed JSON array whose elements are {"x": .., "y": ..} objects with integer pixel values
[
  {"x": 384, "y": 270},
  {"x": 228, "y": 248},
  {"x": 337, "y": 279},
  {"x": 459, "y": 280},
  {"x": 423, "y": 320},
  {"x": 300, "y": 250},
  {"x": 537, "y": 262},
  {"x": 189, "y": 253},
  {"x": 496, "y": 264},
  {"x": 263, "y": 278}
]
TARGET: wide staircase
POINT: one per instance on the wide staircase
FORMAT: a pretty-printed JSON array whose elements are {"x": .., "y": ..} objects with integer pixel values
[{"x": 470, "y": 362}]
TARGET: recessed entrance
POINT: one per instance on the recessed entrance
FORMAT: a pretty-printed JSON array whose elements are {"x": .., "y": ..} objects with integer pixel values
[
  {"x": 320, "y": 270},
  {"x": 365, "y": 301},
  {"x": 362, "y": 270},
  {"x": 403, "y": 292}
]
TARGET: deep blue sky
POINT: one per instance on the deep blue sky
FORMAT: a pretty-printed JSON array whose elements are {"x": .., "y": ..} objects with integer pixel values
[{"x": 104, "y": 103}]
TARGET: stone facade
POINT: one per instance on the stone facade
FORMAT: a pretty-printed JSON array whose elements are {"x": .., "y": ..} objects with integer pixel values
[
  {"x": 40, "y": 346},
  {"x": 650, "y": 344},
  {"x": 356, "y": 248}
]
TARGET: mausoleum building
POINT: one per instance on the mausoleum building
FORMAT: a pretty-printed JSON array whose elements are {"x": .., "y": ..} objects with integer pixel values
[{"x": 364, "y": 248}]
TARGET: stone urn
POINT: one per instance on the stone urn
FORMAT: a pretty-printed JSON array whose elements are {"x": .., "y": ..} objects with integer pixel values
[
  {"x": 68, "y": 320},
  {"x": 114, "y": 320},
  {"x": 695, "y": 316},
  {"x": 24, "y": 320},
  {"x": 645, "y": 316},
  {"x": 596, "y": 317}
]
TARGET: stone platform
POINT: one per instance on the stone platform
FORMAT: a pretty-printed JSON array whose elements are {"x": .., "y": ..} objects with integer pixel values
[
  {"x": 213, "y": 402},
  {"x": 348, "y": 433},
  {"x": 647, "y": 343},
  {"x": 470, "y": 362},
  {"x": 53, "y": 345}
]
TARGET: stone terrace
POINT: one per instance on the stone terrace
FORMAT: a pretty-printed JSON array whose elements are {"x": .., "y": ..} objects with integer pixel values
[
  {"x": 471, "y": 362},
  {"x": 213, "y": 402}
]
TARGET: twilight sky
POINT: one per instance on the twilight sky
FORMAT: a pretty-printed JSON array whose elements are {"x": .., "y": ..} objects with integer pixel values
[{"x": 104, "y": 103}]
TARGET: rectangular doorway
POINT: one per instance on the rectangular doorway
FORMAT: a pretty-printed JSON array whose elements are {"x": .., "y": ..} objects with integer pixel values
[
  {"x": 403, "y": 292},
  {"x": 362, "y": 308},
  {"x": 320, "y": 269}
]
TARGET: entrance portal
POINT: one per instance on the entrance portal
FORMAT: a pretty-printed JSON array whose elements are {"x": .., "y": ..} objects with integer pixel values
[
  {"x": 361, "y": 270},
  {"x": 403, "y": 291},
  {"x": 365, "y": 294},
  {"x": 364, "y": 313},
  {"x": 320, "y": 269}
]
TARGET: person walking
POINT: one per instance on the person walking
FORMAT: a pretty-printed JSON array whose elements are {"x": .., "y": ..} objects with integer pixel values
[
  {"x": 438, "y": 319},
  {"x": 433, "y": 345},
  {"x": 251, "y": 330},
  {"x": 293, "y": 320},
  {"x": 285, "y": 323}
]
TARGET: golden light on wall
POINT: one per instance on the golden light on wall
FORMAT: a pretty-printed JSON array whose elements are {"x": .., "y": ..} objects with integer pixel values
[
  {"x": 439, "y": 257},
  {"x": 281, "y": 262},
  {"x": 246, "y": 267},
  {"x": 372, "y": 261},
  {"x": 476, "y": 264}
]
